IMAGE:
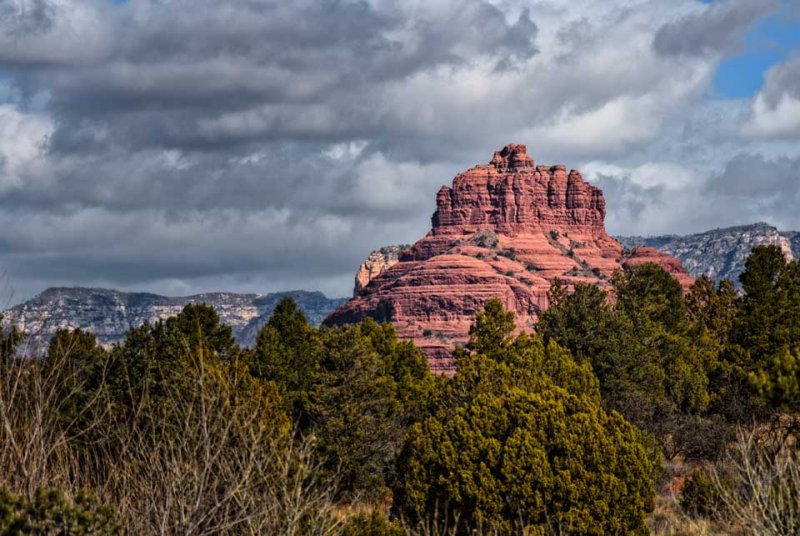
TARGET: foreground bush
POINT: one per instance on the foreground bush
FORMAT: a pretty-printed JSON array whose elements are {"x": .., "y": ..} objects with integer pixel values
[
  {"x": 519, "y": 441},
  {"x": 373, "y": 524},
  {"x": 699, "y": 496},
  {"x": 50, "y": 512},
  {"x": 650, "y": 368}
]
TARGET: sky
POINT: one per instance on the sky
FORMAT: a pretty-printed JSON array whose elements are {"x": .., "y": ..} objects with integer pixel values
[{"x": 184, "y": 146}]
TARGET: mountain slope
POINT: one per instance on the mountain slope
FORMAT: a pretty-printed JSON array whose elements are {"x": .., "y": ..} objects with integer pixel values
[
  {"x": 718, "y": 253},
  {"x": 109, "y": 314}
]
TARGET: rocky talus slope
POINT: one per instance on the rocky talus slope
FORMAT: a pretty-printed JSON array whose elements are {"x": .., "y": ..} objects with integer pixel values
[
  {"x": 503, "y": 230},
  {"x": 719, "y": 253},
  {"x": 109, "y": 314}
]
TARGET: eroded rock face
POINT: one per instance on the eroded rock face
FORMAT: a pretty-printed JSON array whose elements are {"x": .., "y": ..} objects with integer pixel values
[
  {"x": 378, "y": 262},
  {"x": 504, "y": 230}
]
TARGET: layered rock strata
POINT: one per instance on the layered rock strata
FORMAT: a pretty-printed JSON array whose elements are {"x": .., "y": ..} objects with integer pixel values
[{"x": 504, "y": 230}]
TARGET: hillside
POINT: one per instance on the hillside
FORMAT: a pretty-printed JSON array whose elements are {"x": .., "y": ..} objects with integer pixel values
[
  {"x": 719, "y": 253},
  {"x": 108, "y": 314}
]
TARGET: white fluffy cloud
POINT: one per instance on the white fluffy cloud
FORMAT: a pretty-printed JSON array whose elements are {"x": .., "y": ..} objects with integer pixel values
[
  {"x": 780, "y": 120},
  {"x": 23, "y": 141},
  {"x": 776, "y": 108}
]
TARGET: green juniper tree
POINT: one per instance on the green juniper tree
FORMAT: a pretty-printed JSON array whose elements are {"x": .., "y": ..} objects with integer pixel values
[
  {"x": 288, "y": 351},
  {"x": 518, "y": 440},
  {"x": 51, "y": 512},
  {"x": 356, "y": 389},
  {"x": 640, "y": 348}
]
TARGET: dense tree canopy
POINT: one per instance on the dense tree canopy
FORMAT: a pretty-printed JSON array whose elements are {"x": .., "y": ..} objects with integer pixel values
[
  {"x": 518, "y": 439},
  {"x": 50, "y": 512},
  {"x": 356, "y": 389},
  {"x": 639, "y": 347},
  {"x": 288, "y": 351},
  {"x": 767, "y": 330}
]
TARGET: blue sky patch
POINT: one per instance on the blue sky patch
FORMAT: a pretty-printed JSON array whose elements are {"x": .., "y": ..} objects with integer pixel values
[{"x": 770, "y": 41}]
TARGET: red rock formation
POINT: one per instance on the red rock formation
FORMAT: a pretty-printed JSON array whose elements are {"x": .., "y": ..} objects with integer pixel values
[
  {"x": 377, "y": 263},
  {"x": 645, "y": 254},
  {"x": 504, "y": 230}
]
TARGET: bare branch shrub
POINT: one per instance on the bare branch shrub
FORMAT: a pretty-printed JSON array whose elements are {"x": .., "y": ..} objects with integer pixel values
[
  {"x": 762, "y": 496},
  {"x": 218, "y": 459},
  {"x": 35, "y": 449}
]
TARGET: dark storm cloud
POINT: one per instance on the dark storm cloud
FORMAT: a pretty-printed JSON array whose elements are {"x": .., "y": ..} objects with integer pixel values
[
  {"x": 716, "y": 30},
  {"x": 190, "y": 139},
  {"x": 224, "y": 80},
  {"x": 203, "y": 74},
  {"x": 781, "y": 80},
  {"x": 37, "y": 17},
  {"x": 288, "y": 176},
  {"x": 754, "y": 188},
  {"x": 628, "y": 200},
  {"x": 148, "y": 245},
  {"x": 757, "y": 180}
]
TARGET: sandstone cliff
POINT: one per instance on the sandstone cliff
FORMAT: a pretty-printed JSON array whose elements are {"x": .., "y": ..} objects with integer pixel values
[
  {"x": 109, "y": 314},
  {"x": 376, "y": 263},
  {"x": 504, "y": 230},
  {"x": 719, "y": 253}
]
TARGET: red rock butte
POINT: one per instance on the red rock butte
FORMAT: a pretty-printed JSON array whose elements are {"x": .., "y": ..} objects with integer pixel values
[{"x": 504, "y": 230}]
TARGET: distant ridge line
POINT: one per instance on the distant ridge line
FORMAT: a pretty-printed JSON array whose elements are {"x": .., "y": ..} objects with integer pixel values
[{"x": 109, "y": 313}]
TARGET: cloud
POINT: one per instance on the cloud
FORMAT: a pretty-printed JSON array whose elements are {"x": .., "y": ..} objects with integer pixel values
[
  {"x": 716, "y": 29},
  {"x": 749, "y": 187},
  {"x": 194, "y": 145},
  {"x": 202, "y": 74},
  {"x": 776, "y": 108},
  {"x": 610, "y": 128},
  {"x": 755, "y": 178},
  {"x": 23, "y": 139},
  {"x": 211, "y": 76}
]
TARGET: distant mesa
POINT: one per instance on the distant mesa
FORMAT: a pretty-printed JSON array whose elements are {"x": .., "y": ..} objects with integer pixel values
[
  {"x": 503, "y": 230},
  {"x": 109, "y": 314}
]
